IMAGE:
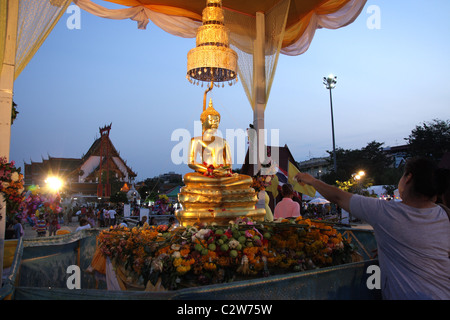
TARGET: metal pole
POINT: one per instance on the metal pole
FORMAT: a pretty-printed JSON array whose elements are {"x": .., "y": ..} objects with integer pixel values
[{"x": 332, "y": 132}]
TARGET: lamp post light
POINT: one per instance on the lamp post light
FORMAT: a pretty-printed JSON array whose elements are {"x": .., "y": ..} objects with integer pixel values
[
  {"x": 54, "y": 184},
  {"x": 329, "y": 83}
]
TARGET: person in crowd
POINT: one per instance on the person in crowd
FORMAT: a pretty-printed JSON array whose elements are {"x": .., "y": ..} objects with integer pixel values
[
  {"x": 287, "y": 208},
  {"x": 106, "y": 216},
  {"x": 53, "y": 224},
  {"x": 101, "y": 217},
  {"x": 91, "y": 217},
  {"x": 152, "y": 221},
  {"x": 41, "y": 226},
  {"x": 413, "y": 235},
  {"x": 17, "y": 227},
  {"x": 143, "y": 221},
  {"x": 84, "y": 224},
  {"x": 112, "y": 216},
  {"x": 269, "y": 215},
  {"x": 83, "y": 212}
]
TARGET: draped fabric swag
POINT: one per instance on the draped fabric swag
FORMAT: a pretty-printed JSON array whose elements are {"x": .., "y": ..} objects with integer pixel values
[{"x": 280, "y": 38}]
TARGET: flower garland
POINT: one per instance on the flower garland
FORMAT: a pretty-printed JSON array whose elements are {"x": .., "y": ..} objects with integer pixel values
[
  {"x": 11, "y": 185},
  {"x": 208, "y": 254},
  {"x": 210, "y": 170}
]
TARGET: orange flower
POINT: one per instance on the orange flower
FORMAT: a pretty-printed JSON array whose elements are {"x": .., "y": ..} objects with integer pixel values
[
  {"x": 209, "y": 266},
  {"x": 184, "y": 252}
]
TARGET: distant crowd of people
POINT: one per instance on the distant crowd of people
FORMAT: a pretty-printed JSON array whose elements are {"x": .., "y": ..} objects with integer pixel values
[{"x": 101, "y": 217}]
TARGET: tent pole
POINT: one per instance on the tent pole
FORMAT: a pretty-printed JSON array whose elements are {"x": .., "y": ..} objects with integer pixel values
[
  {"x": 259, "y": 84},
  {"x": 6, "y": 95}
]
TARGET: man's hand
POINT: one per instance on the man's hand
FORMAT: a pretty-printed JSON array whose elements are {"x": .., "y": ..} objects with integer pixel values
[
  {"x": 330, "y": 193},
  {"x": 304, "y": 178}
]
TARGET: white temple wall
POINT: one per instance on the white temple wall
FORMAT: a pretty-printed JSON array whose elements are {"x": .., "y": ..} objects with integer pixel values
[
  {"x": 119, "y": 163},
  {"x": 89, "y": 166}
]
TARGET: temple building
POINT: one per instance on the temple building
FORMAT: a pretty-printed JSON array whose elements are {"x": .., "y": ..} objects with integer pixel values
[{"x": 86, "y": 176}]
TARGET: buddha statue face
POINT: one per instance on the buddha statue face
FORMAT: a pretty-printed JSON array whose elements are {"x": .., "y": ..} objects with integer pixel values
[
  {"x": 212, "y": 122},
  {"x": 210, "y": 119}
]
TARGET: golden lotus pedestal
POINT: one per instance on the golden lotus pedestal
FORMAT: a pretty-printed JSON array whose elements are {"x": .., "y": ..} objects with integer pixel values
[{"x": 218, "y": 200}]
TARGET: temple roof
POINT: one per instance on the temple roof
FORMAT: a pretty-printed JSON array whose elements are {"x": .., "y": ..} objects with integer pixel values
[
  {"x": 284, "y": 157},
  {"x": 94, "y": 150}
]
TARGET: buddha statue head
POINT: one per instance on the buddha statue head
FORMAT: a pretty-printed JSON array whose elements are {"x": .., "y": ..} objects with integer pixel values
[{"x": 210, "y": 118}]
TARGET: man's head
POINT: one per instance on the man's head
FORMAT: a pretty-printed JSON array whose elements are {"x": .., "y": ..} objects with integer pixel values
[
  {"x": 419, "y": 178},
  {"x": 287, "y": 190}
]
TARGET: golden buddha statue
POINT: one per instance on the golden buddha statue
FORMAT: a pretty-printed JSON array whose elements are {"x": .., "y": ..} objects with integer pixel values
[{"x": 213, "y": 193}]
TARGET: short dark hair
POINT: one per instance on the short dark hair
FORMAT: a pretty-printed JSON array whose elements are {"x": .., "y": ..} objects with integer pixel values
[
  {"x": 287, "y": 190},
  {"x": 425, "y": 177},
  {"x": 443, "y": 175}
]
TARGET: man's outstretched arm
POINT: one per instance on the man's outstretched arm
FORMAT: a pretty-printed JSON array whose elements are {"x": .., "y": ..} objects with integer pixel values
[{"x": 331, "y": 193}]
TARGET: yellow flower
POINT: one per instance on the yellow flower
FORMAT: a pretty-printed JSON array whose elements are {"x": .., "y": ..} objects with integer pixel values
[
  {"x": 177, "y": 262},
  {"x": 183, "y": 269},
  {"x": 209, "y": 266}
]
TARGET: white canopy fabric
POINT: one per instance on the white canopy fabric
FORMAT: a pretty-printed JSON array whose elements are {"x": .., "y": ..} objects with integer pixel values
[
  {"x": 180, "y": 19},
  {"x": 319, "y": 201}
]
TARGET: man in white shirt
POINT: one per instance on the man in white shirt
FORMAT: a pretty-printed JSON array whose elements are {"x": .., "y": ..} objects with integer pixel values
[
  {"x": 84, "y": 224},
  {"x": 112, "y": 216}
]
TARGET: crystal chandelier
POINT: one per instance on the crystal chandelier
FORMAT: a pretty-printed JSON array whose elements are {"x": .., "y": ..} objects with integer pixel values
[{"x": 212, "y": 60}]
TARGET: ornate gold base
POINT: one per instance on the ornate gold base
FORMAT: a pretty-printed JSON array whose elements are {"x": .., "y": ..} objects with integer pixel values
[
  {"x": 220, "y": 216},
  {"x": 219, "y": 200}
]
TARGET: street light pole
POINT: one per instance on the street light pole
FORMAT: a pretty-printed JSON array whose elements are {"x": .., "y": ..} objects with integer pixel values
[{"x": 330, "y": 83}]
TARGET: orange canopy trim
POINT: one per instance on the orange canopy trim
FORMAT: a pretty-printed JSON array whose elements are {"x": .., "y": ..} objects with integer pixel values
[
  {"x": 294, "y": 31},
  {"x": 299, "y": 16},
  {"x": 166, "y": 9}
]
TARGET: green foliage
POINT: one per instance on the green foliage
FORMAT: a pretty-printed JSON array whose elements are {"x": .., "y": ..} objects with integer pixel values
[
  {"x": 431, "y": 139},
  {"x": 14, "y": 112},
  {"x": 356, "y": 186},
  {"x": 119, "y": 196},
  {"x": 115, "y": 183},
  {"x": 371, "y": 159}
]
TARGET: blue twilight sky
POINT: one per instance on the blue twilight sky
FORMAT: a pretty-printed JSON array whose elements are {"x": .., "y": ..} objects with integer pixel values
[{"x": 389, "y": 80}]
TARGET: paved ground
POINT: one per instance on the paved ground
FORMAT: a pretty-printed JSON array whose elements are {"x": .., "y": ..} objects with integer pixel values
[{"x": 30, "y": 233}]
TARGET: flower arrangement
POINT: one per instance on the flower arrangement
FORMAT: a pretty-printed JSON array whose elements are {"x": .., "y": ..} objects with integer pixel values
[
  {"x": 210, "y": 170},
  {"x": 11, "y": 185},
  {"x": 260, "y": 182},
  {"x": 208, "y": 254}
]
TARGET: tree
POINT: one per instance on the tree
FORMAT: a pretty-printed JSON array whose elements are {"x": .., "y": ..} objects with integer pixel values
[
  {"x": 115, "y": 183},
  {"x": 119, "y": 196},
  {"x": 375, "y": 161},
  {"x": 14, "y": 112},
  {"x": 371, "y": 159},
  {"x": 357, "y": 186},
  {"x": 431, "y": 139}
]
